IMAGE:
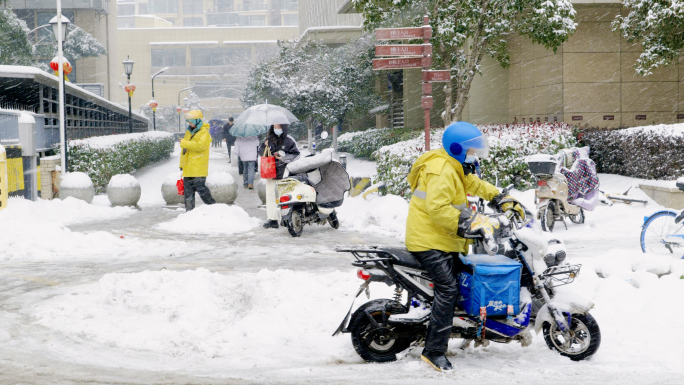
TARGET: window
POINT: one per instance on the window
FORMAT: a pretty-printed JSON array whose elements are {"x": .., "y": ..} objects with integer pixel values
[
  {"x": 168, "y": 57},
  {"x": 289, "y": 5},
  {"x": 219, "y": 56},
  {"x": 224, "y": 5},
  {"x": 254, "y": 5},
  {"x": 193, "y": 22},
  {"x": 142, "y": 9},
  {"x": 125, "y": 22},
  {"x": 192, "y": 7},
  {"x": 253, "y": 20},
  {"x": 163, "y": 6},
  {"x": 291, "y": 20},
  {"x": 222, "y": 19},
  {"x": 126, "y": 9}
]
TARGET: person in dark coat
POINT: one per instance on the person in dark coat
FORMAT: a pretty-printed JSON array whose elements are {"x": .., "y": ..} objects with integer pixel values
[
  {"x": 230, "y": 139},
  {"x": 284, "y": 148}
]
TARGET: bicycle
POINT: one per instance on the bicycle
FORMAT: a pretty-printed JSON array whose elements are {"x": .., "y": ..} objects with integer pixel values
[{"x": 663, "y": 233}]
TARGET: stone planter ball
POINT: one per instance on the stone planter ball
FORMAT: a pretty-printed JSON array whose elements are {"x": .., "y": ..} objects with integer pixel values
[
  {"x": 123, "y": 190},
  {"x": 77, "y": 185},
  {"x": 223, "y": 187},
  {"x": 170, "y": 191}
]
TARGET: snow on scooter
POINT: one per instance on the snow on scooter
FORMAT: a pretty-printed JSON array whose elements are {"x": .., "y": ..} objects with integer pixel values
[
  {"x": 310, "y": 190},
  {"x": 500, "y": 297}
]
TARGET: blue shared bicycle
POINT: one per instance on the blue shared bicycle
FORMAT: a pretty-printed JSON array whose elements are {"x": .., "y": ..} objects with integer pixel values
[{"x": 663, "y": 233}]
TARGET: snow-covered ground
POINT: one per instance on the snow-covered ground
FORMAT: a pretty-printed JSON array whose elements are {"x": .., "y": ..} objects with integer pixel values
[{"x": 211, "y": 297}]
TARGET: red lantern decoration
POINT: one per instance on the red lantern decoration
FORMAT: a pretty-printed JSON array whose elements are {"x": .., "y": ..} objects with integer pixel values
[
  {"x": 130, "y": 87},
  {"x": 153, "y": 104},
  {"x": 179, "y": 109},
  {"x": 54, "y": 64},
  {"x": 185, "y": 110}
]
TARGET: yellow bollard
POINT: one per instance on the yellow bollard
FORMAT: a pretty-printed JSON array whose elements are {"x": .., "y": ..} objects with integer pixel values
[
  {"x": 358, "y": 185},
  {"x": 3, "y": 178}
]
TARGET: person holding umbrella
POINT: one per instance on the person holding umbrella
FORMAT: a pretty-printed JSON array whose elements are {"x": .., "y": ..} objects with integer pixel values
[
  {"x": 257, "y": 120},
  {"x": 284, "y": 149}
]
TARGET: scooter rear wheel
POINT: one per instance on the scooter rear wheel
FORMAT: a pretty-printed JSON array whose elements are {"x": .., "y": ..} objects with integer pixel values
[
  {"x": 332, "y": 219},
  {"x": 295, "y": 225},
  {"x": 548, "y": 217},
  {"x": 579, "y": 218}
]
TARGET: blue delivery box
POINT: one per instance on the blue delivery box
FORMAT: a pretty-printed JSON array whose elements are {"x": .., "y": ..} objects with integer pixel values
[{"x": 494, "y": 284}]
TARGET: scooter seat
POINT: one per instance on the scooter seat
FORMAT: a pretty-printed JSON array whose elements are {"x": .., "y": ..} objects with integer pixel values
[{"x": 401, "y": 256}]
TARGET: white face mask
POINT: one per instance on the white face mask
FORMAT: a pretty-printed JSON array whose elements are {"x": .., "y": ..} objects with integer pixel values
[
  {"x": 278, "y": 131},
  {"x": 470, "y": 159}
]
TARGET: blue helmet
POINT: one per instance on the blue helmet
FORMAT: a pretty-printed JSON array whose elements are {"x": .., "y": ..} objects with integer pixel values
[{"x": 461, "y": 139}]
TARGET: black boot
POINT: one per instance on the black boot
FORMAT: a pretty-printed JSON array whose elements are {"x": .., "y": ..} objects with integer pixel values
[
  {"x": 271, "y": 224},
  {"x": 437, "y": 360}
]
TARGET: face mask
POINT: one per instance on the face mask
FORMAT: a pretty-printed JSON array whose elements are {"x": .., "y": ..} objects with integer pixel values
[
  {"x": 278, "y": 131},
  {"x": 470, "y": 159}
]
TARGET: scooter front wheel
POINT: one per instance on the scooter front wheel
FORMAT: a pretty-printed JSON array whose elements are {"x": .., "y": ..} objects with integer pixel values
[
  {"x": 295, "y": 225},
  {"x": 584, "y": 341}
]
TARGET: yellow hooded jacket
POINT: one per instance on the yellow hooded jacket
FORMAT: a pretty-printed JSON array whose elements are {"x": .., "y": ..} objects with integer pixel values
[
  {"x": 195, "y": 161},
  {"x": 439, "y": 188}
]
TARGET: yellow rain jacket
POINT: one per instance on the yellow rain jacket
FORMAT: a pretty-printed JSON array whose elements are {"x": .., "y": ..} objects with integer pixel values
[
  {"x": 195, "y": 161},
  {"x": 439, "y": 188}
]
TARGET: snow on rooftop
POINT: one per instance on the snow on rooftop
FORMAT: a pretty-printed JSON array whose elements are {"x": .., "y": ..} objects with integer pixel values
[{"x": 184, "y": 42}]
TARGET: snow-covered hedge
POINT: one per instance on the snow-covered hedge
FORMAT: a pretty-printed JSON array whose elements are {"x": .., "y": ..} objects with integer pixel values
[
  {"x": 650, "y": 152},
  {"x": 509, "y": 145},
  {"x": 363, "y": 144},
  {"x": 105, "y": 156}
]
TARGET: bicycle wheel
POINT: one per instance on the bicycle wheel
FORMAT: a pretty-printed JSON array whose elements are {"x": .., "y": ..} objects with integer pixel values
[{"x": 660, "y": 234}]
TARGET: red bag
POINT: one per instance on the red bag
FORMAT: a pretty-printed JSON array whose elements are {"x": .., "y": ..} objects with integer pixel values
[
  {"x": 180, "y": 186},
  {"x": 268, "y": 168}
]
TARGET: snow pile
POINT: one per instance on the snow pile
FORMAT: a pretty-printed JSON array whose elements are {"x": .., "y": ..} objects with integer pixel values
[
  {"x": 112, "y": 140},
  {"x": 218, "y": 219},
  {"x": 37, "y": 231},
  {"x": 123, "y": 181},
  {"x": 222, "y": 319},
  {"x": 2, "y": 149},
  {"x": 383, "y": 215},
  {"x": 667, "y": 130},
  {"x": 76, "y": 180},
  {"x": 220, "y": 179}
]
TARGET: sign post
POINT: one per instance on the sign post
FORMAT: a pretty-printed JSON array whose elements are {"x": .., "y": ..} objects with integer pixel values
[{"x": 409, "y": 56}]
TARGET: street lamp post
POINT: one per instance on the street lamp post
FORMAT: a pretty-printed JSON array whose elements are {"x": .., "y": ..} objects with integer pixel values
[
  {"x": 128, "y": 68},
  {"x": 154, "y": 113},
  {"x": 179, "y": 118},
  {"x": 59, "y": 26}
]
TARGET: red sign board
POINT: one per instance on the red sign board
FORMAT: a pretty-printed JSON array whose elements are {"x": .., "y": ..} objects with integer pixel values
[
  {"x": 398, "y": 63},
  {"x": 640, "y": 117},
  {"x": 426, "y": 102},
  {"x": 403, "y": 33},
  {"x": 402, "y": 50},
  {"x": 436, "y": 76},
  {"x": 608, "y": 117},
  {"x": 577, "y": 117}
]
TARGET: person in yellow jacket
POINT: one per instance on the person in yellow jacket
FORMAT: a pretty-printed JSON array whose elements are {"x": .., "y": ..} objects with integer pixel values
[
  {"x": 439, "y": 217},
  {"x": 194, "y": 160}
]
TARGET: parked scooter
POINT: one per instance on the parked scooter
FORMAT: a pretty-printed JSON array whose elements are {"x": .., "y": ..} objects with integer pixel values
[
  {"x": 501, "y": 296},
  {"x": 310, "y": 190},
  {"x": 551, "y": 194}
]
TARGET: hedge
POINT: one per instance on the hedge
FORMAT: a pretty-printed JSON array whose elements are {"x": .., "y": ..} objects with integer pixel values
[
  {"x": 509, "y": 145},
  {"x": 122, "y": 155},
  {"x": 651, "y": 152},
  {"x": 363, "y": 144}
]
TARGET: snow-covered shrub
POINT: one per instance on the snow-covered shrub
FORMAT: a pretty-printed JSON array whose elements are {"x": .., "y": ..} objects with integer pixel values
[
  {"x": 362, "y": 144},
  {"x": 103, "y": 157},
  {"x": 509, "y": 145},
  {"x": 650, "y": 152}
]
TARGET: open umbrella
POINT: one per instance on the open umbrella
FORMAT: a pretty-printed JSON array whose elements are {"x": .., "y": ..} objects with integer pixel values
[{"x": 256, "y": 119}]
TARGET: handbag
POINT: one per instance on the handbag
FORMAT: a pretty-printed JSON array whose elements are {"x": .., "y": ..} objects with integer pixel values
[
  {"x": 180, "y": 186},
  {"x": 268, "y": 167}
]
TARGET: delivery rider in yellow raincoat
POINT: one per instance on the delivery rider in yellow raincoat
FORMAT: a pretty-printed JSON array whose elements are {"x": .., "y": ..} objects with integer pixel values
[
  {"x": 194, "y": 160},
  {"x": 438, "y": 219}
]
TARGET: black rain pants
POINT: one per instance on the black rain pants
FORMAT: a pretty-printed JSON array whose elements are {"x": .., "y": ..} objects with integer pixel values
[{"x": 196, "y": 184}]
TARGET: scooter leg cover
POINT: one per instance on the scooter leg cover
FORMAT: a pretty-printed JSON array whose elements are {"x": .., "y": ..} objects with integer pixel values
[
  {"x": 271, "y": 207},
  {"x": 440, "y": 266}
]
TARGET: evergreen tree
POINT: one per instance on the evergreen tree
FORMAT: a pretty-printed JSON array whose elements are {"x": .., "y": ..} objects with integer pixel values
[{"x": 15, "y": 48}]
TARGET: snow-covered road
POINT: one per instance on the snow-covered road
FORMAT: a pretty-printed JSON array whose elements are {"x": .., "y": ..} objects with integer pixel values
[{"x": 81, "y": 304}]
